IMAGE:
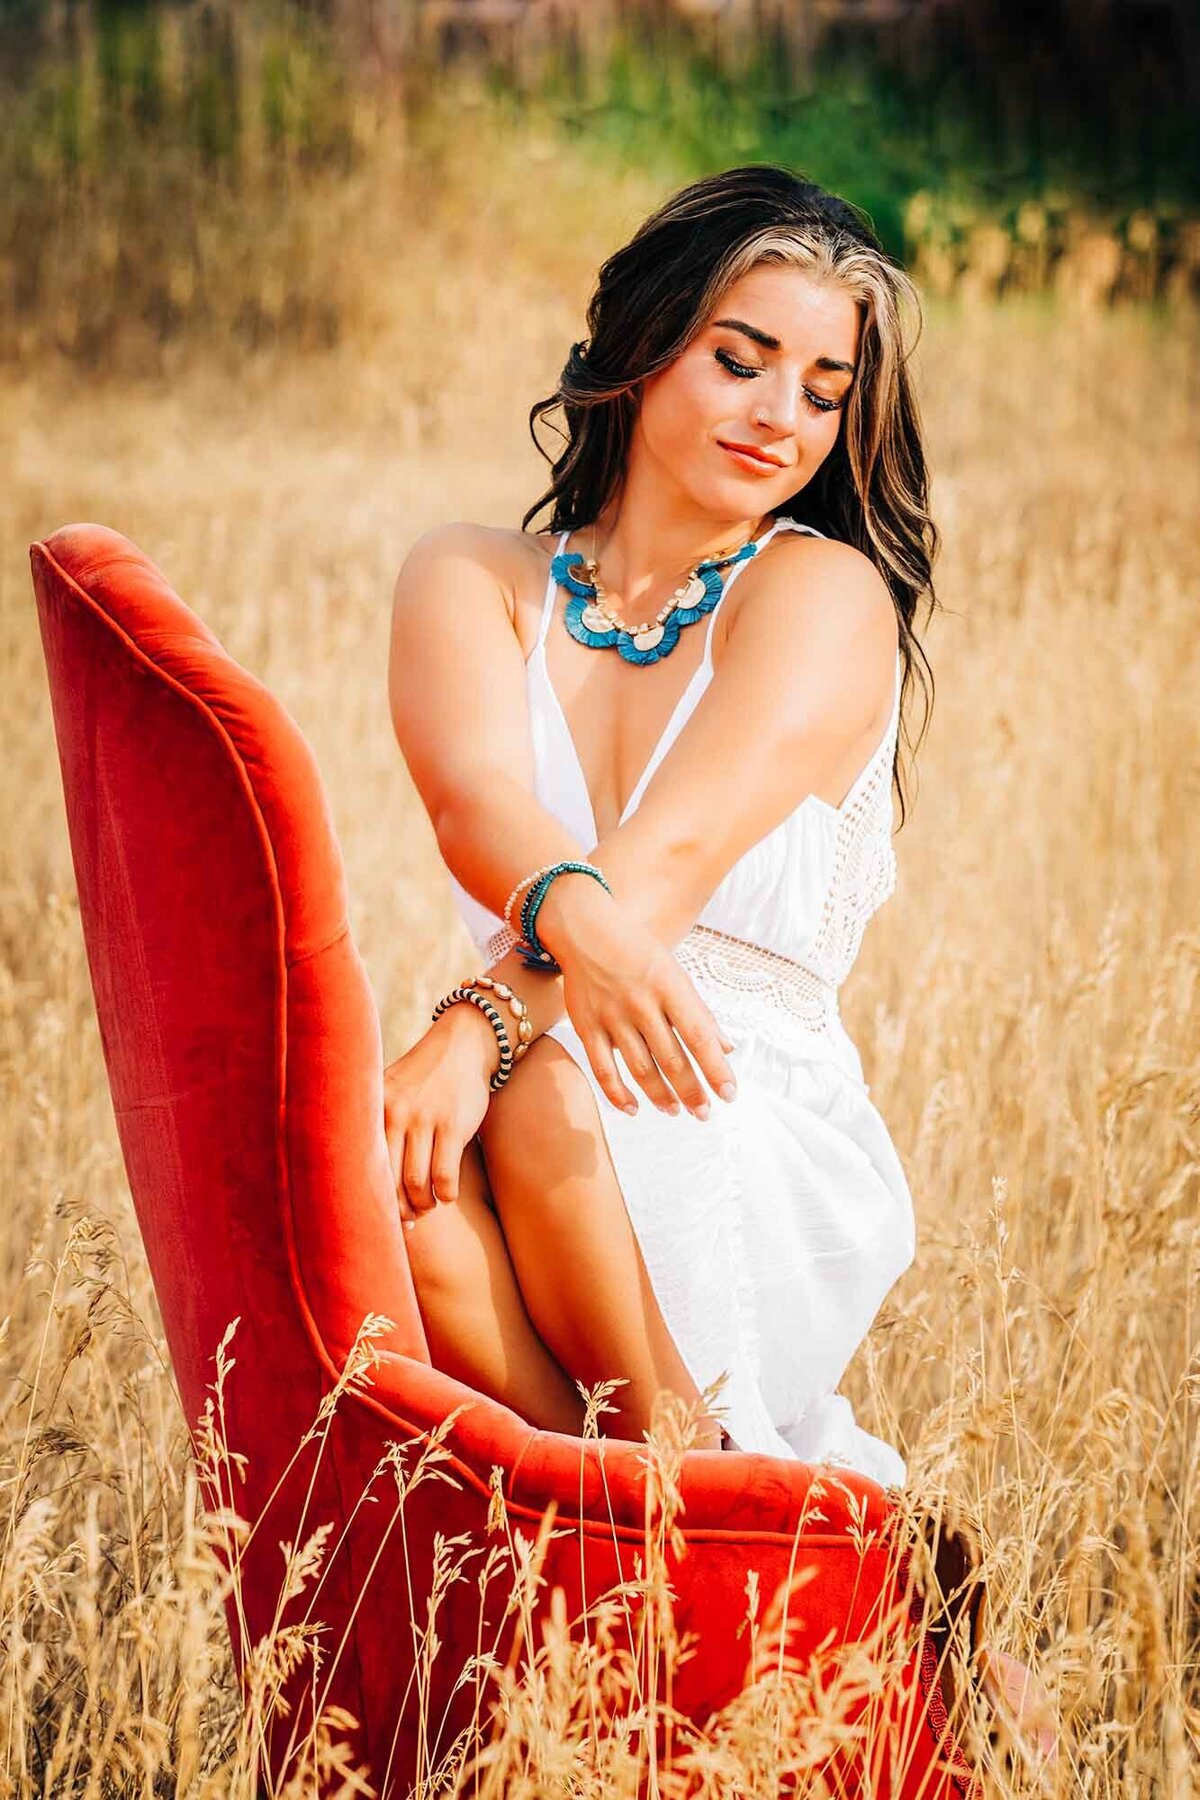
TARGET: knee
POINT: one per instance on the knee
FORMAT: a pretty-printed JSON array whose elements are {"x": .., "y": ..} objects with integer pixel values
[
  {"x": 434, "y": 1244},
  {"x": 546, "y": 1108}
]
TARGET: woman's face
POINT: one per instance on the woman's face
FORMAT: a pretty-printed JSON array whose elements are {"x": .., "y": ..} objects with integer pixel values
[{"x": 771, "y": 369}]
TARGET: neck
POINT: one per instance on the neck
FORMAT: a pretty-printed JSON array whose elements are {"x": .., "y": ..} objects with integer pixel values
[{"x": 635, "y": 560}]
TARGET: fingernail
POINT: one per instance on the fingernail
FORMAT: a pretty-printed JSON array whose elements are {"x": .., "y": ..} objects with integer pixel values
[
  {"x": 703, "y": 1110},
  {"x": 409, "y": 1223},
  {"x": 727, "y": 1090},
  {"x": 630, "y": 1107}
]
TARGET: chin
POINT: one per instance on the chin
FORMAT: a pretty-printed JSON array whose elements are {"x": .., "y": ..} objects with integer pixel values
[{"x": 748, "y": 499}]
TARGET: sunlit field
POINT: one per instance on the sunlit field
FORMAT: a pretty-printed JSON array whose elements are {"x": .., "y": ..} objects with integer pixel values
[{"x": 1027, "y": 1004}]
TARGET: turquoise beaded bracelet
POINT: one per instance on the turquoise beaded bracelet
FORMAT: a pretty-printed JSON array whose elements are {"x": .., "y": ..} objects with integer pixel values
[{"x": 533, "y": 952}]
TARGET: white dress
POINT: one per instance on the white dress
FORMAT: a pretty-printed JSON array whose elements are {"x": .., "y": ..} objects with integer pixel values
[{"x": 772, "y": 1230}]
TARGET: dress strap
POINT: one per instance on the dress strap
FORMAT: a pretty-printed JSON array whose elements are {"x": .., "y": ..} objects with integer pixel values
[{"x": 551, "y": 590}]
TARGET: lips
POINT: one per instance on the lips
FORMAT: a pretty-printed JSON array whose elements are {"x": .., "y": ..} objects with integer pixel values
[{"x": 749, "y": 457}]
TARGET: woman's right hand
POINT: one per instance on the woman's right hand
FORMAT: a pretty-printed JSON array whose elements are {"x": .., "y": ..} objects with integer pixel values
[
  {"x": 435, "y": 1097},
  {"x": 624, "y": 990}
]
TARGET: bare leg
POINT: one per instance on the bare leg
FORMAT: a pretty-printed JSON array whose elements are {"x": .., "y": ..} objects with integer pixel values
[
  {"x": 475, "y": 1318},
  {"x": 572, "y": 1246}
]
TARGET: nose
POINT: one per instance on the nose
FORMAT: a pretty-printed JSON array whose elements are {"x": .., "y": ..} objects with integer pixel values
[{"x": 778, "y": 398}]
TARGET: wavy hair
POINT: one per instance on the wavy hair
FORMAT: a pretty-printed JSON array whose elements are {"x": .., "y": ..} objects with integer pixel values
[{"x": 655, "y": 294}]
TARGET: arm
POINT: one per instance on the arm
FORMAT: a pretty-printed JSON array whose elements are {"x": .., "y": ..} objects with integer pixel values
[
  {"x": 456, "y": 680},
  {"x": 456, "y": 683},
  {"x": 805, "y": 679},
  {"x": 802, "y": 695}
]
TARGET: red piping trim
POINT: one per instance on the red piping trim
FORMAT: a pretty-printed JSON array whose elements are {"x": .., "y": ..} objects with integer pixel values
[{"x": 958, "y": 1765}]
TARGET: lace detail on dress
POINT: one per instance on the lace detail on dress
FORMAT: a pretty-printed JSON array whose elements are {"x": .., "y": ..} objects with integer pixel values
[
  {"x": 864, "y": 867},
  {"x": 500, "y": 943},
  {"x": 756, "y": 989}
]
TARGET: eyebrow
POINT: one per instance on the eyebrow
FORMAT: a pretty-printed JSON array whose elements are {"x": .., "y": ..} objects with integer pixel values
[{"x": 773, "y": 343}]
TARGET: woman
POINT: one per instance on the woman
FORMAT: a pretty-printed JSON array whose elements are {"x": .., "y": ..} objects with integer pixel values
[{"x": 742, "y": 455}]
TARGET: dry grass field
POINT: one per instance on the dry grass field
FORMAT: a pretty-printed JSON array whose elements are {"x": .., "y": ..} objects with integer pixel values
[{"x": 1027, "y": 1004}]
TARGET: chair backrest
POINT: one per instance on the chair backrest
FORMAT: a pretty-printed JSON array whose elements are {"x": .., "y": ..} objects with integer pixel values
[{"x": 240, "y": 1032}]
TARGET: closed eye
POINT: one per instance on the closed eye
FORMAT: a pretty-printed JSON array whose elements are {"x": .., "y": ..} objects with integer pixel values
[{"x": 743, "y": 373}]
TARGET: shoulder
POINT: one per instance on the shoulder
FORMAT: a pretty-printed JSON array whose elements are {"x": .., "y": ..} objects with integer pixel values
[
  {"x": 497, "y": 545},
  {"x": 825, "y": 566},
  {"x": 500, "y": 551},
  {"x": 813, "y": 647},
  {"x": 820, "y": 593},
  {"x": 456, "y": 540}
]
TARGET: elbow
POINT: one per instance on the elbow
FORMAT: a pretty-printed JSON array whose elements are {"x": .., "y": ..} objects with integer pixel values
[
  {"x": 451, "y": 817},
  {"x": 671, "y": 886},
  {"x": 687, "y": 849},
  {"x": 695, "y": 876}
]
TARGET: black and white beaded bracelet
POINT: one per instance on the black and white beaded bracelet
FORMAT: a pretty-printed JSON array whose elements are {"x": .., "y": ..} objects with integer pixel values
[{"x": 492, "y": 1013}]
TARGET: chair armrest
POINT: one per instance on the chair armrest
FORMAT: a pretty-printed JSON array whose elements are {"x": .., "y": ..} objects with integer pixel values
[{"x": 601, "y": 1482}]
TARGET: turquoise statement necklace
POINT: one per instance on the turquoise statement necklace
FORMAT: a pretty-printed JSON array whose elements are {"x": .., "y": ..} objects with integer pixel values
[{"x": 591, "y": 621}]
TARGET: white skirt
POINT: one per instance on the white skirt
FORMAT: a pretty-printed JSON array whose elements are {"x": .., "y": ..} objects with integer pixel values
[{"x": 771, "y": 1233}]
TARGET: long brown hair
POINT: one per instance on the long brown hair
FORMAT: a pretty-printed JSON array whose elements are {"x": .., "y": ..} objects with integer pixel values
[{"x": 653, "y": 297}]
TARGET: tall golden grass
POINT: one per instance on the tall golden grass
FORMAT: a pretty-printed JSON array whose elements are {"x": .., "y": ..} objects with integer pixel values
[{"x": 1026, "y": 1004}]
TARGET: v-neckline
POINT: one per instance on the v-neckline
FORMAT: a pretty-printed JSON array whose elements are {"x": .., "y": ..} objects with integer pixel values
[
  {"x": 702, "y": 667},
  {"x": 651, "y": 761}
]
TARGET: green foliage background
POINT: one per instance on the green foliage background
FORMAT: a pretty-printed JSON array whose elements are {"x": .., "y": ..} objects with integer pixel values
[{"x": 173, "y": 167}]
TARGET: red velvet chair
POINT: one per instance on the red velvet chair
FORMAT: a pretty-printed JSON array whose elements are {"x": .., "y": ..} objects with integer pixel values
[{"x": 244, "y": 1056}]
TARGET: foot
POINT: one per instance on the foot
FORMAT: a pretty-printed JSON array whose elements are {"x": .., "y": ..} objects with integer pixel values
[
  {"x": 1018, "y": 1702},
  {"x": 1023, "y": 1704}
]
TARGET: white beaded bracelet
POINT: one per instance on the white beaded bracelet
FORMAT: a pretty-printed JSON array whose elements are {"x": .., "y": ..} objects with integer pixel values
[{"x": 524, "y": 882}]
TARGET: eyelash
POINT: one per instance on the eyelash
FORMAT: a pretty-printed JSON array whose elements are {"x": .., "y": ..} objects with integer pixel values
[{"x": 743, "y": 373}]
